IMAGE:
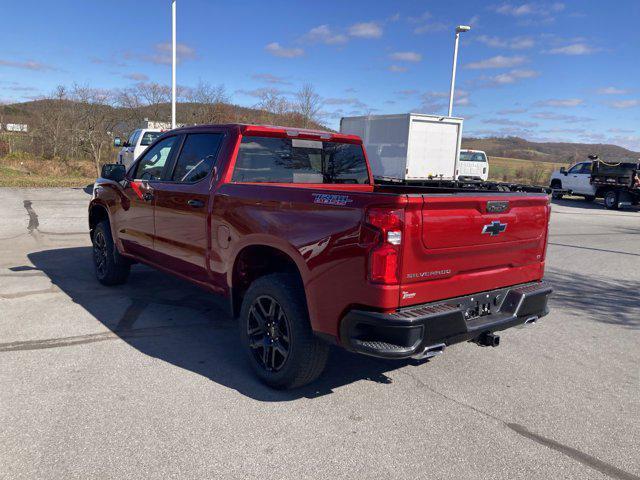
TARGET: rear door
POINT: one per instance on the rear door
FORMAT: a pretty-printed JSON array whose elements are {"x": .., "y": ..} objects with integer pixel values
[
  {"x": 135, "y": 222},
  {"x": 433, "y": 148},
  {"x": 466, "y": 243},
  {"x": 183, "y": 206}
]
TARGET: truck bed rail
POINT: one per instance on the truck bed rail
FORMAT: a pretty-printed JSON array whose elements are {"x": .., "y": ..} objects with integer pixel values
[{"x": 456, "y": 186}]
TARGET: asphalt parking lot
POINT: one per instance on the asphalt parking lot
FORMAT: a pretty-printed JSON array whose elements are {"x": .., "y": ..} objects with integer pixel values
[{"x": 147, "y": 380}]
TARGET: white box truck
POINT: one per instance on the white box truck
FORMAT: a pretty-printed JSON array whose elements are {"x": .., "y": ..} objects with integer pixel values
[{"x": 409, "y": 146}]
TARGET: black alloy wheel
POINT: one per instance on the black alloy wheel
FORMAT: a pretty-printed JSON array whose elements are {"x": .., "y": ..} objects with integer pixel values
[
  {"x": 268, "y": 331},
  {"x": 100, "y": 254}
]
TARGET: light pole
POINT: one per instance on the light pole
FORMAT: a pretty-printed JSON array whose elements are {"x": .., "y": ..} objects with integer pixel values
[
  {"x": 459, "y": 30},
  {"x": 173, "y": 64}
]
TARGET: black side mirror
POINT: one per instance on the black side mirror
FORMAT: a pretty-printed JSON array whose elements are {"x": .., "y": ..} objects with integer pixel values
[
  {"x": 117, "y": 142},
  {"x": 113, "y": 171},
  {"x": 563, "y": 170}
]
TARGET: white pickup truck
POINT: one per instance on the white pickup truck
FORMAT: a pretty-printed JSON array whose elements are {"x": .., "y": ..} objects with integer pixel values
[
  {"x": 473, "y": 165},
  {"x": 137, "y": 143},
  {"x": 576, "y": 180}
]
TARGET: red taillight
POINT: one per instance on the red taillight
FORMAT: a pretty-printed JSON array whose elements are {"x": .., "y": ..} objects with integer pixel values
[{"x": 384, "y": 262}]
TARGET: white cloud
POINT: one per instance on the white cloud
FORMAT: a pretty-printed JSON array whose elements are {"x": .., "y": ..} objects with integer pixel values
[
  {"x": 498, "y": 61},
  {"x": 612, "y": 91},
  {"x": 163, "y": 53},
  {"x": 425, "y": 24},
  {"x": 435, "y": 101},
  {"x": 510, "y": 77},
  {"x": 324, "y": 34},
  {"x": 26, "y": 65},
  {"x": 407, "y": 93},
  {"x": 511, "y": 122},
  {"x": 620, "y": 104},
  {"x": 528, "y": 9},
  {"x": 430, "y": 27},
  {"x": 620, "y": 130},
  {"x": 397, "y": 68},
  {"x": 138, "y": 77},
  {"x": 574, "y": 49},
  {"x": 277, "y": 50},
  {"x": 406, "y": 56},
  {"x": 512, "y": 111},
  {"x": 516, "y": 43},
  {"x": 365, "y": 30},
  {"x": 561, "y": 117},
  {"x": 561, "y": 102},
  {"x": 269, "y": 78},
  {"x": 259, "y": 92}
]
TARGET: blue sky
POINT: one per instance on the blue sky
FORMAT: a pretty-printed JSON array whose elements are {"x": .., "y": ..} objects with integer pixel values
[{"x": 560, "y": 71}]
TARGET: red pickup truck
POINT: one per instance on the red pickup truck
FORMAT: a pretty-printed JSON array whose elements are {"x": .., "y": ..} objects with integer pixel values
[{"x": 290, "y": 227}]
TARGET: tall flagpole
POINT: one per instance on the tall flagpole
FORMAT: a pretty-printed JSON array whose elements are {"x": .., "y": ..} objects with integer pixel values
[{"x": 173, "y": 64}]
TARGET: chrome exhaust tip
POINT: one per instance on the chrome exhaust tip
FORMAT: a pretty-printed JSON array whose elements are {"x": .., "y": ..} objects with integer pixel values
[{"x": 430, "y": 351}]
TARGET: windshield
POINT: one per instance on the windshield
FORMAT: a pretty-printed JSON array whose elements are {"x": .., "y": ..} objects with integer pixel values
[
  {"x": 473, "y": 157},
  {"x": 284, "y": 160},
  {"x": 149, "y": 137}
]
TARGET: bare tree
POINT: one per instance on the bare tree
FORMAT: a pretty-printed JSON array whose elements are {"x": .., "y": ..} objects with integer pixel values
[
  {"x": 208, "y": 101},
  {"x": 52, "y": 124},
  {"x": 155, "y": 98},
  {"x": 308, "y": 104},
  {"x": 273, "y": 104},
  {"x": 95, "y": 119}
]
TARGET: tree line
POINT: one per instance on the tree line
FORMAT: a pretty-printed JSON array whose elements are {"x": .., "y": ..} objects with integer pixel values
[{"x": 80, "y": 122}]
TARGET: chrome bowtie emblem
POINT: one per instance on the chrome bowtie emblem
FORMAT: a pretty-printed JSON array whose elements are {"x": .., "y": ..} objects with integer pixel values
[{"x": 495, "y": 228}]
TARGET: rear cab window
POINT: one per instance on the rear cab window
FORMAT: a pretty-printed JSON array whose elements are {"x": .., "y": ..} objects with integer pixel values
[
  {"x": 472, "y": 157},
  {"x": 293, "y": 160}
]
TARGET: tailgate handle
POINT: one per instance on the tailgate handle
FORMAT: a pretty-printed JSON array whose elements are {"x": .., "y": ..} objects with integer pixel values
[{"x": 497, "y": 206}]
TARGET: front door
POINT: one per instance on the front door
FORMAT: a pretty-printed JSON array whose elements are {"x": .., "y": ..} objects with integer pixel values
[
  {"x": 135, "y": 221},
  {"x": 183, "y": 205},
  {"x": 578, "y": 179}
]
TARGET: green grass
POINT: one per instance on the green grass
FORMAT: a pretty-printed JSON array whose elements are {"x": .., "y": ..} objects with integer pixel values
[
  {"x": 28, "y": 173},
  {"x": 521, "y": 171}
]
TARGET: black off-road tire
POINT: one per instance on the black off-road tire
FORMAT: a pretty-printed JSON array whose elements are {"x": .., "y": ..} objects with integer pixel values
[
  {"x": 611, "y": 200},
  {"x": 306, "y": 355},
  {"x": 110, "y": 267}
]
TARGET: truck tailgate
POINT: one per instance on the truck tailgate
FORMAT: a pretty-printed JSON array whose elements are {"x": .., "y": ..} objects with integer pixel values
[{"x": 466, "y": 243}]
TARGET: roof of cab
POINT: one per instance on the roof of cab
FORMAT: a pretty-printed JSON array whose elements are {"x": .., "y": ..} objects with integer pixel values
[{"x": 275, "y": 130}]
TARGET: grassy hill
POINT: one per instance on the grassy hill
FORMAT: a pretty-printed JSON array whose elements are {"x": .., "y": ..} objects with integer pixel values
[{"x": 515, "y": 147}]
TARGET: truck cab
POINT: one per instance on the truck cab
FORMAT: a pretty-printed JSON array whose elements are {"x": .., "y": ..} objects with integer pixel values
[
  {"x": 576, "y": 180},
  {"x": 472, "y": 165},
  {"x": 137, "y": 143}
]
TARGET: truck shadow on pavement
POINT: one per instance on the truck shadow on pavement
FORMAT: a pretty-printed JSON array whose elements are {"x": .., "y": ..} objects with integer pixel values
[
  {"x": 597, "y": 299},
  {"x": 174, "y": 321}
]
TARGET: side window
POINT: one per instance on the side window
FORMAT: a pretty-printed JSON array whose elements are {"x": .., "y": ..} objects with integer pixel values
[
  {"x": 576, "y": 168},
  {"x": 586, "y": 168},
  {"x": 152, "y": 163},
  {"x": 197, "y": 157},
  {"x": 264, "y": 159},
  {"x": 283, "y": 160}
]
